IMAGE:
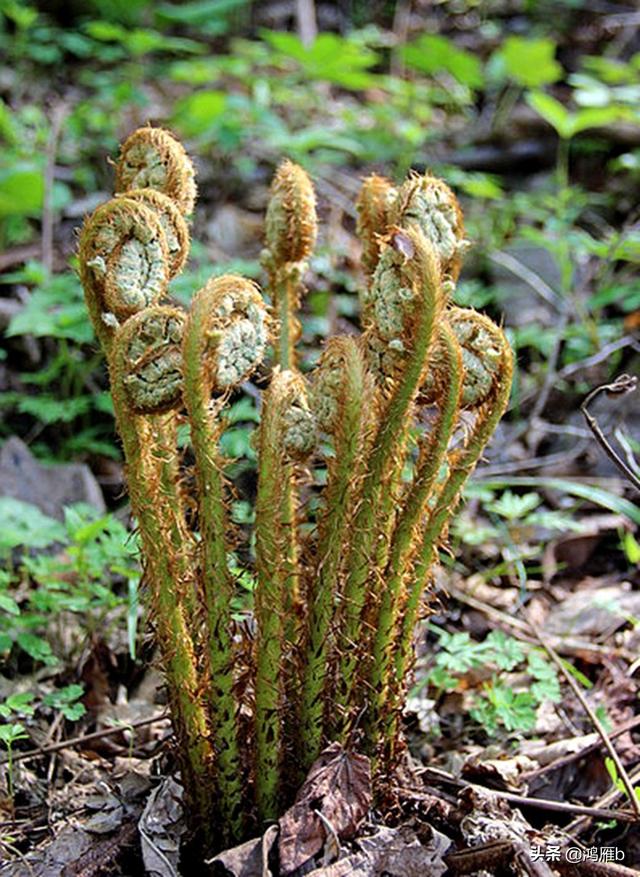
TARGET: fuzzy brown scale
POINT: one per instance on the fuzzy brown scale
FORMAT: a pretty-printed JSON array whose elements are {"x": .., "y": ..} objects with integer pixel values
[
  {"x": 429, "y": 203},
  {"x": 291, "y": 226},
  {"x": 234, "y": 331},
  {"x": 373, "y": 207}
]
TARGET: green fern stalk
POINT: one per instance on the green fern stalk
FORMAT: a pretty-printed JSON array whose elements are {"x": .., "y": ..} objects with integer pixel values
[
  {"x": 407, "y": 277},
  {"x": 344, "y": 402},
  {"x": 151, "y": 511},
  {"x": 225, "y": 338},
  {"x": 337, "y": 651},
  {"x": 433, "y": 451},
  {"x": 488, "y": 390},
  {"x": 287, "y": 435}
]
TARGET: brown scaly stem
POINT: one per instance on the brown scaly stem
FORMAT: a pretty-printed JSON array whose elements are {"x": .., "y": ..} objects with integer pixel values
[
  {"x": 333, "y": 657},
  {"x": 290, "y": 235},
  {"x": 344, "y": 403},
  {"x": 149, "y": 507}
]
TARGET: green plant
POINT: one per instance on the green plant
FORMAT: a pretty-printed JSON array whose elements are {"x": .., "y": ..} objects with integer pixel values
[
  {"x": 499, "y": 705},
  {"x": 83, "y": 575},
  {"x": 339, "y": 572}
]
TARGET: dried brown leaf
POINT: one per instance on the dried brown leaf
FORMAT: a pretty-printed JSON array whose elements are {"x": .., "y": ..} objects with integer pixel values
[{"x": 339, "y": 787}]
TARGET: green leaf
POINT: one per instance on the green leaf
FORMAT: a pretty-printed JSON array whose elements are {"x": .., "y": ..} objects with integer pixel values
[
  {"x": 574, "y": 488},
  {"x": 36, "y": 647},
  {"x": 24, "y": 524},
  {"x": 197, "y": 113},
  {"x": 514, "y": 507},
  {"x": 8, "y": 605},
  {"x": 10, "y": 733},
  {"x": 631, "y": 548},
  {"x": 553, "y": 112},
  {"x": 504, "y": 651},
  {"x": 530, "y": 62},
  {"x": 21, "y": 191},
  {"x": 569, "y": 124},
  {"x": 211, "y": 16},
  {"x": 331, "y": 58},
  {"x": 48, "y": 409},
  {"x": 432, "y": 53},
  {"x": 18, "y": 703}
]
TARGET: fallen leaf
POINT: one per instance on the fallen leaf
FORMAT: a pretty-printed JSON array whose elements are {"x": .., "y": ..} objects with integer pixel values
[
  {"x": 339, "y": 787},
  {"x": 250, "y": 859},
  {"x": 394, "y": 852},
  {"x": 161, "y": 828}
]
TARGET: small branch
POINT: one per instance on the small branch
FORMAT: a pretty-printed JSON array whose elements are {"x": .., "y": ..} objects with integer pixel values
[
  {"x": 306, "y": 19},
  {"x": 525, "y": 801},
  {"x": 597, "y": 724},
  {"x": 564, "y": 760},
  {"x": 579, "y": 824},
  {"x": 85, "y": 738},
  {"x": 596, "y": 358},
  {"x": 57, "y": 118},
  {"x": 537, "y": 284},
  {"x": 489, "y": 857},
  {"x": 622, "y": 385}
]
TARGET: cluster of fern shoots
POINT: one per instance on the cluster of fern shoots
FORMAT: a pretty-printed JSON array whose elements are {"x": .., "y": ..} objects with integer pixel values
[{"x": 360, "y": 466}]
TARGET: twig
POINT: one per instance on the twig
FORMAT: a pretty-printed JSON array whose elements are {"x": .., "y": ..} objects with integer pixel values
[
  {"x": 489, "y": 857},
  {"x": 597, "y": 724},
  {"x": 565, "y": 645},
  {"x": 57, "y": 118},
  {"x": 306, "y": 19},
  {"x": 524, "y": 800},
  {"x": 587, "y": 868},
  {"x": 623, "y": 441},
  {"x": 533, "y": 462},
  {"x": 534, "y": 280},
  {"x": 85, "y": 738},
  {"x": 602, "y": 355},
  {"x": 609, "y": 797},
  {"x": 581, "y": 753},
  {"x": 623, "y": 384}
]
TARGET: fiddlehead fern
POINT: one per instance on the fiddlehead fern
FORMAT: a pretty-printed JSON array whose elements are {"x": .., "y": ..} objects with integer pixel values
[
  {"x": 152, "y": 158},
  {"x": 373, "y": 206},
  {"x": 489, "y": 403},
  {"x": 343, "y": 400},
  {"x": 446, "y": 375},
  {"x": 407, "y": 302},
  {"x": 174, "y": 226},
  {"x": 342, "y": 642},
  {"x": 148, "y": 361},
  {"x": 431, "y": 205},
  {"x": 290, "y": 234},
  {"x": 124, "y": 263},
  {"x": 225, "y": 339}
]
